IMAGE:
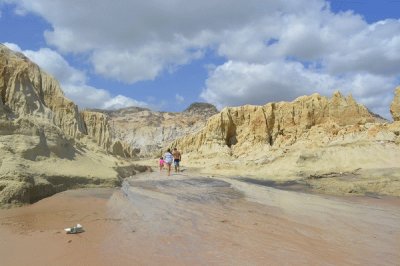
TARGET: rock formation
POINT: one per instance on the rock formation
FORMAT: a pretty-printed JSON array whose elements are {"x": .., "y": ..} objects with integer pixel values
[
  {"x": 97, "y": 128},
  {"x": 201, "y": 109},
  {"x": 395, "y": 107},
  {"x": 19, "y": 78},
  {"x": 146, "y": 131},
  {"x": 122, "y": 149},
  {"x": 276, "y": 124},
  {"x": 46, "y": 145},
  {"x": 26, "y": 90},
  {"x": 311, "y": 136}
]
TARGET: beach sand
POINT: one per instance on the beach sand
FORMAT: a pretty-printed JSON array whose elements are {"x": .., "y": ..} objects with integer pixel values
[{"x": 187, "y": 219}]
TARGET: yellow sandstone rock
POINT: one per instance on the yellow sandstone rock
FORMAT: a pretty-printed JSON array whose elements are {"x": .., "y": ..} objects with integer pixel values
[
  {"x": 313, "y": 136},
  {"x": 46, "y": 145},
  {"x": 395, "y": 107}
]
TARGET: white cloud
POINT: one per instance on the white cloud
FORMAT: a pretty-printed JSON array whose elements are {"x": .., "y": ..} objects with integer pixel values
[
  {"x": 55, "y": 64},
  {"x": 237, "y": 83},
  {"x": 374, "y": 49},
  {"x": 73, "y": 81},
  {"x": 374, "y": 91},
  {"x": 137, "y": 40},
  {"x": 274, "y": 50},
  {"x": 179, "y": 98},
  {"x": 13, "y": 47},
  {"x": 143, "y": 63},
  {"x": 121, "y": 101},
  {"x": 89, "y": 97}
]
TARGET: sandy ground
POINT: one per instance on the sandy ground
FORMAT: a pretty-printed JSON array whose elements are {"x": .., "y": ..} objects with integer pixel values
[{"x": 186, "y": 219}]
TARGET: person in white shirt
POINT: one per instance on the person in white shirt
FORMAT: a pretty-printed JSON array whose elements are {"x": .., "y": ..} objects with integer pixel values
[{"x": 168, "y": 159}]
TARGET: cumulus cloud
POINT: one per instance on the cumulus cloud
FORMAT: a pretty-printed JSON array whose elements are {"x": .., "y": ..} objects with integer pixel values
[
  {"x": 55, "y": 64},
  {"x": 374, "y": 49},
  {"x": 145, "y": 63},
  {"x": 274, "y": 50},
  {"x": 89, "y": 97},
  {"x": 292, "y": 54},
  {"x": 145, "y": 37},
  {"x": 73, "y": 81},
  {"x": 121, "y": 101},
  {"x": 13, "y": 47},
  {"x": 237, "y": 83},
  {"x": 234, "y": 83}
]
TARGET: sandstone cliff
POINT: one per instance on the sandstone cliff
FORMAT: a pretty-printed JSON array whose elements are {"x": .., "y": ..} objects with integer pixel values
[
  {"x": 276, "y": 124},
  {"x": 313, "y": 136},
  {"x": 395, "y": 107},
  {"x": 26, "y": 90},
  {"x": 146, "y": 131},
  {"x": 46, "y": 145},
  {"x": 97, "y": 128}
]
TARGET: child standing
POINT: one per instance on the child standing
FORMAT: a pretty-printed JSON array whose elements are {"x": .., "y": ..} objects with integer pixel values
[{"x": 161, "y": 163}]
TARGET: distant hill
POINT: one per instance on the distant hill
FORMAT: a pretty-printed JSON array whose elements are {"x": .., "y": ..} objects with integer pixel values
[
  {"x": 206, "y": 109},
  {"x": 147, "y": 131}
]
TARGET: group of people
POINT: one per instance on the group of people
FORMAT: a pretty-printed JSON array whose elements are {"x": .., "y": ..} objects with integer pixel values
[{"x": 169, "y": 158}]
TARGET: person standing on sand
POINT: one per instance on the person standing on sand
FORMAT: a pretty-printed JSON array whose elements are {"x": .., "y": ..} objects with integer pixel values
[
  {"x": 177, "y": 159},
  {"x": 161, "y": 163},
  {"x": 168, "y": 159}
]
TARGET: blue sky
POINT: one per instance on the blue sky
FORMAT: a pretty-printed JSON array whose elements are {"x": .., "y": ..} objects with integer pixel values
[{"x": 168, "y": 54}]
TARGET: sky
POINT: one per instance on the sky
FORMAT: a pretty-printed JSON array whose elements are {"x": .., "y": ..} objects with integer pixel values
[{"x": 166, "y": 54}]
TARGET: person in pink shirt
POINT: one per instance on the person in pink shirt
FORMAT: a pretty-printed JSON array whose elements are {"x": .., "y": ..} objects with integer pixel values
[{"x": 161, "y": 163}]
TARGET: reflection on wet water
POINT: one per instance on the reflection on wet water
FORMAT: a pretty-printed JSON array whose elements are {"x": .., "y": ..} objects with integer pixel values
[
  {"x": 189, "y": 190},
  {"x": 101, "y": 193},
  {"x": 285, "y": 185}
]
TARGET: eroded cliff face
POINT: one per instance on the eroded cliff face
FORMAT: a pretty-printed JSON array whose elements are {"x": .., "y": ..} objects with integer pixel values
[
  {"x": 311, "y": 136},
  {"x": 46, "y": 145},
  {"x": 146, "y": 131},
  {"x": 395, "y": 107},
  {"x": 97, "y": 128},
  {"x": 26, "y": 90},
  {"x": 275, "y": 124}
]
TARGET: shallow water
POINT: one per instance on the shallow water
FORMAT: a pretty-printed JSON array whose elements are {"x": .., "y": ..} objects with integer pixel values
[{"x": 286, "y": 185}]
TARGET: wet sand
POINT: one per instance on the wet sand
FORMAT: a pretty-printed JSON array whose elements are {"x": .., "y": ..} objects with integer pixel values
[{"x": 190, "y": 220}]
